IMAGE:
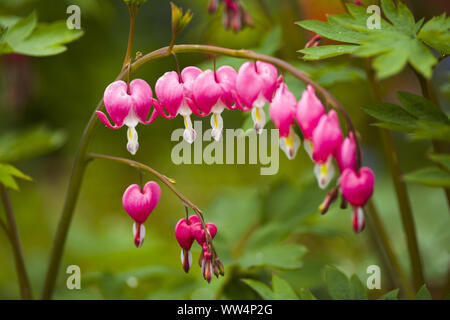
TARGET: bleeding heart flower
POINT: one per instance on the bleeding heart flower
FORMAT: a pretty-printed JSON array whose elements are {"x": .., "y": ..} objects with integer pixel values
[
  {"x": 175, "y": 94},
  {"x": 308, "y": 113},
  {"x": 213, "y": 93},
  {"x": 139, "y": 204},
  {"x": 346, "y": 153},
  {"x": 357, "y": 188},
  {"x": 282, "y": 111},
  {"x": 199, "y": 233},
  {"x": 128, "y": 105},
  {"x": 326, "y": 138},
  {"x": 255, "y": 85},
  {"x": 183, "y": 234}
]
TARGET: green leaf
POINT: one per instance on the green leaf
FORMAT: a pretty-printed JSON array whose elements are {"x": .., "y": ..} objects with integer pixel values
[
  {"x": 282, "y": 290},
  {"x": 331, "y": 74},
  {"x": 436, "y": 33},
  {"x": 391, "y": 295},
  {"x": 323, "y": 52},
  {"x": 8, "y": 173},
  {"x": 430, "y": 176},
  {"x": 359, "y": 290},
  {"x": 21, "y": 29},
  {"x": 179, "y": 19},
  {"x": 26, "y": 36},
  {"x": 391, "y": 113},
  {"x": 48, "y": 39},
  {"x": 282, "y": 256},
  {"x": 423, "y": 294},
  {"x": 332, "y": 30},
  {"x": 263, "y": 290},
  {"x": 421, "y": 108},
  {"x": 399, "y": 15},
  {"x": 305, "y": 294},
  {"x": 394, "y": 127},
  {"x": 442, "y": 159},
  {"x": 392, "y": 46},
  {"x": 20, "y": 146},
  {"x": 431, "y": 130},
  {"x": 339, "y": 287}
]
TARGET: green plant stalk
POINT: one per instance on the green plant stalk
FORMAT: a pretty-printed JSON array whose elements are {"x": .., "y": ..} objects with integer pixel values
[
  {"x": 401, "y": 192},
  {"x": 81, "y": 156},
  {"x": 438, "y": 146},
  {"x": 388, "y": 256},
  {"x": 13, "y": 234},
  {"x": 76, "y": 178}
]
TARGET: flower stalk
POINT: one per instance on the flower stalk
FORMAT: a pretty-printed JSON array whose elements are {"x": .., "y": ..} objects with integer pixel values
[
  {"x": 13, "y": 235},
  {"x": 401, "y": 192}
]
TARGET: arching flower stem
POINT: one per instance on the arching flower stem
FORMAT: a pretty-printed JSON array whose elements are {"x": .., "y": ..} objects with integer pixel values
[{"x": 81, "y": 158}]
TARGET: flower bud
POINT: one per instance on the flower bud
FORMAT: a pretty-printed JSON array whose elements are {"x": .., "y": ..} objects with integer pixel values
[{"x": 329, "y": 199}]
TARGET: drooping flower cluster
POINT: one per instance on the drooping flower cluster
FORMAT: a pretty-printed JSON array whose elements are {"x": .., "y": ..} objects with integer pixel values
[
  {"x": 234, "y": 14},
  {"x": 188, "y": 230},
  {"x": 323, "y": 142},
  {"x": 255, "y": 84}
]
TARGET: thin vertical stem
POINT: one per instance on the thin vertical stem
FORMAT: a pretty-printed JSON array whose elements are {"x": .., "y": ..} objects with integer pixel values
[
  {"x": 438, "y": 146},
  {"x": 76, "y": 179},
  {"x": 24, "y": 281},
  {"x": 401, "y": 191},
  {"x": 133, "y": 11},
  {"x": 388, "y": 256}
]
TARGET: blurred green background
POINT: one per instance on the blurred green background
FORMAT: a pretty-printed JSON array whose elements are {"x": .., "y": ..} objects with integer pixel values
[{"x": 267, "y": 224}]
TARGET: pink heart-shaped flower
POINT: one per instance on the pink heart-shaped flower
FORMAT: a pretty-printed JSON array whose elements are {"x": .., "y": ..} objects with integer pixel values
[
  {"x": 140, "y": 204},
  {"x": 357, "y": 188},
  {"x": 199, "y": 233},
  {"x": 183, "y": 234},
  {"x": 126, "y": 104}
]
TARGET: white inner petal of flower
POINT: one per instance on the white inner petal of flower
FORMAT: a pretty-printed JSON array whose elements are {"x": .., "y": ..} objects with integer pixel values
[
  {"x": 290, "y": 144},
  {"x": 309, "y": 147},
  {"x": 141, "y": 233},
  {"x": 259, "y": 119},
  {"x": 133, "y": 144},
  {"x": 189, "y": 133},
  {"x": 324, "y": 172}
]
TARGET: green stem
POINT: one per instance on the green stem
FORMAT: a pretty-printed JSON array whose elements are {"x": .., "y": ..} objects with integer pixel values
[
  {"x": 401, "y": 193},
  {"x": 81, "y": 156},
  {"x": 438, "y": 146},
  {"x": 133, "y": 12},
  {"x": 388, "y": 256},
  {"x": 13, "y": 234}
]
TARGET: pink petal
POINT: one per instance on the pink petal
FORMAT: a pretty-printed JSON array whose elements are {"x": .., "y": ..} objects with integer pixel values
[
  {"x": 309, "y": 111},
  {"x": 282, "y": 109},
  {"x": 248, "y": 84},
  {"x": 139, "y": 204},
  {"x": 346, "y": 154},
  {"x": 142, "y": 96},
  {"x": 188, "y": 76},
  {"x": 357, "y": 188},
  {"x": 183, "y": 234},
  {"x": 268, "y": 74},
  {"x": 226, "y": 76},
  {"x": 169, "y": 91},
  {"x": 206, "y": 91},
  {"x": 118, "y": 102},
  {"x": 327, "y": 137}
]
